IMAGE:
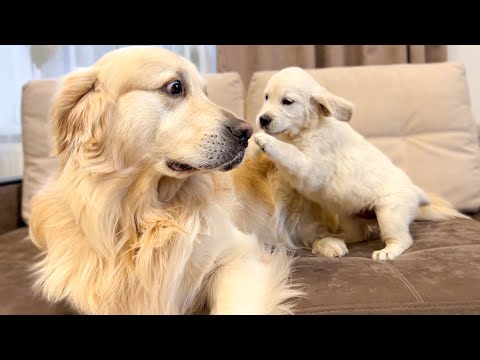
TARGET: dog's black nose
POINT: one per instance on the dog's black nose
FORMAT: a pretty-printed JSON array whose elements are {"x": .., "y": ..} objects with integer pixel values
[
  {"x": 265, "y": 120},
  {"x": 242, "y": 130}
]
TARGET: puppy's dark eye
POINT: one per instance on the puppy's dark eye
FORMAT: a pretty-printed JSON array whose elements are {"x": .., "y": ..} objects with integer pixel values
[
  {"x": 266, "y": 97},
  {"x": 287, "y": 101},
  {"x": 174, "y": 88}
]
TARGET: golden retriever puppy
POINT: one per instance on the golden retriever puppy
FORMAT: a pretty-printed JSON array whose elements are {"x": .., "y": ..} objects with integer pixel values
[
  {"x": 139, "y": 218},
  {"x": 307, "y": 136}
]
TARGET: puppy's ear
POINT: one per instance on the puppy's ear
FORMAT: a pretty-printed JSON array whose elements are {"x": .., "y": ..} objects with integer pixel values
[
  {"x": 332, "y": 105},
  {"x": 77, "y": 111}
]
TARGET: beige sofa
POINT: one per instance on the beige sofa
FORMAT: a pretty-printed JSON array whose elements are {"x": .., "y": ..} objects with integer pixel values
[{"x": 419, "y": 115}]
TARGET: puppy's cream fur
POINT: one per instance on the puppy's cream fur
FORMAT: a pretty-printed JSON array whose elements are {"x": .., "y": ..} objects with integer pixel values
[
  {"x": 323, "y": 158},
  {"x": 140, "y": 217},
  {"x": 285, "y": 218}
]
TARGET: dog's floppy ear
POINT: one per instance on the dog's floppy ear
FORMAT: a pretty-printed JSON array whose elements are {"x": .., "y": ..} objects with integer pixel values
[
  {"x": 76, "y": 112},
  {"x": 332, "y": 105}
]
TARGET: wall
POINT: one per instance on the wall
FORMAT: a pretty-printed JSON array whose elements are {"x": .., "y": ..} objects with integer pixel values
[
  {"x": 15, "y": 70},
  {"x": 469, "y": 55}
]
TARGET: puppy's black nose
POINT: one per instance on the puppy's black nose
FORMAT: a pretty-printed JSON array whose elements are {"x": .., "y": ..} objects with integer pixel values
[
  {"x": 242, "y": 130},
  {"x": 265, "y": 120}
]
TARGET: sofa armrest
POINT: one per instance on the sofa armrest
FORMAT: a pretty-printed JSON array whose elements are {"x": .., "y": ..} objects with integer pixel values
[{"x": 10, "y": 202}]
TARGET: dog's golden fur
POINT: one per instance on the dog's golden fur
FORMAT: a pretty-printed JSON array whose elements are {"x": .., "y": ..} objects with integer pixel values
[{"x": 140, "y": 216}]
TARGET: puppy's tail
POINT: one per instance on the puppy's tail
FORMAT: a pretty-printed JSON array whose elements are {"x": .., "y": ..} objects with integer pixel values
[{"x": 435, "y": 208}]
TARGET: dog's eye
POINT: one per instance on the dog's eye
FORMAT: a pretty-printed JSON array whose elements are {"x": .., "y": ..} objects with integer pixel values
[
  {"x": 266, "y": 97},
  {"x": 174, "y": 88},
  {"x": 287, "y": 101}
]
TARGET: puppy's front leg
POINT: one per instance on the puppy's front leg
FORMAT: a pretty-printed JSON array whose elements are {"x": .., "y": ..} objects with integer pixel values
[{"x": 284, "y": 154}]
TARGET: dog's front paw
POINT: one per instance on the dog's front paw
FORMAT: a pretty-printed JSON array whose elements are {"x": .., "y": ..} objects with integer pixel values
[
  {"x": 264, "y": 141},
  {"x": 330, "y": 247}
]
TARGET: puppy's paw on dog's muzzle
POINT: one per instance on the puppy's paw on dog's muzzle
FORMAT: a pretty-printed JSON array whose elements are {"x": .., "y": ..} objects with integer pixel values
[{"x": 263, "y": 140}]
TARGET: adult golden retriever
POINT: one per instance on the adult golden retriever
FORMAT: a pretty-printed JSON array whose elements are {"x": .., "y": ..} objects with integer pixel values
[{"x": 140, "y": 217}]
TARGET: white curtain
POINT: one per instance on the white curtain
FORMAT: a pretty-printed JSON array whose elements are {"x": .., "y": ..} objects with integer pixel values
[{"x": 20, "y": 63}]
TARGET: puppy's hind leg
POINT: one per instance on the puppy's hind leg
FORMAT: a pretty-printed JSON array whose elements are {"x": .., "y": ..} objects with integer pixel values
[
  {"x": 354, "y": 229},
  {"x": 394, "y": 222}
]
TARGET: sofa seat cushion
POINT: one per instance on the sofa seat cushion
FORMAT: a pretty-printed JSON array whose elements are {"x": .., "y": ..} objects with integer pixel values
[
  {"x": 439, "y": 274},
  {"x": 17, "y": 254}
]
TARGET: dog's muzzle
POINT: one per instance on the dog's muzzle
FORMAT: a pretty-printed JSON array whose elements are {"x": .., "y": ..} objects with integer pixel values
[{"x": 241, "y": 130}]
